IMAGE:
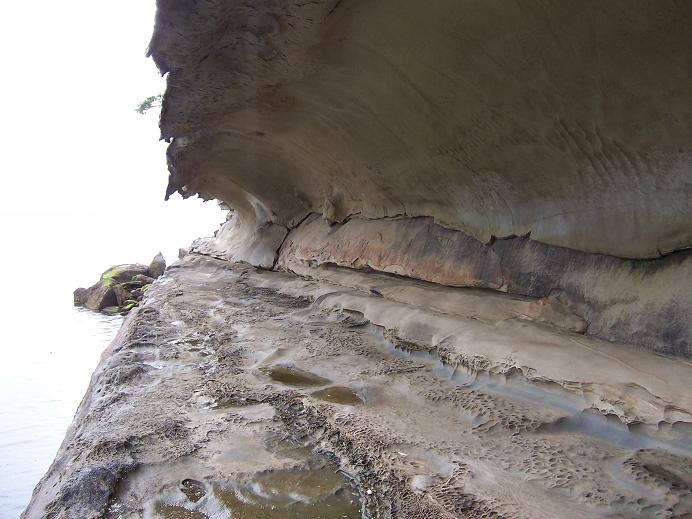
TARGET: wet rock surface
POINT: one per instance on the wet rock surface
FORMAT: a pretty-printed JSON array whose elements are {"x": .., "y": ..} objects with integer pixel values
[
  {"x": 517, "y": 147},
  {"x": 233, "y": 392},
  {"x": 121, "y": 287}
]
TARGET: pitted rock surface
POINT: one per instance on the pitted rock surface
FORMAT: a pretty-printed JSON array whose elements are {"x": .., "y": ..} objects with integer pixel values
[{"x": 186, "y": 410}]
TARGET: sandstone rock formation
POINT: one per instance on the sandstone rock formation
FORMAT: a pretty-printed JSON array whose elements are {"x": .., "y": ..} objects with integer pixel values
[
  {"x": 225, "y": 388},
  {"x": 632, "y": 301},
  {"x": 566, "y": 125},
  {"x": 469, "y": 291},
  {"x": 121, "y": 287}
]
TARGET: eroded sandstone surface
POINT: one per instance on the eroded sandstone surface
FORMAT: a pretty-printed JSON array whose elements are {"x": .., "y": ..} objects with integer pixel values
[
  {"x": 239, "y": 392},
  {"x": 565, "y": 120},
  {"x": 455, "y": 280},
  {"x": 563, "y": 127}
]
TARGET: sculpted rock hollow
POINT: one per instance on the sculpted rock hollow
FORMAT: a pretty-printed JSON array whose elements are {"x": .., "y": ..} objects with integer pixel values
[
  {"x": 568, "y": 124},
  {"x": 568, "y": 121},
  {"x": 468, "y": 224}
]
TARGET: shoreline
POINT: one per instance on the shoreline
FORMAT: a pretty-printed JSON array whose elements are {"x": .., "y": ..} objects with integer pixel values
[{"x": 458, "y": 410}]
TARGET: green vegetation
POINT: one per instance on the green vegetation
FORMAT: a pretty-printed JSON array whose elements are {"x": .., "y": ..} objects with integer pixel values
[
  {"x": 128, "y": 305},
  {"x": 107, "y": 277},
  {"x": 149, "y": 103}
]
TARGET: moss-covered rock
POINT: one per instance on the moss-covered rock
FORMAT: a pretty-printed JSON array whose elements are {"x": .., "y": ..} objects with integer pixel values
[
  {"x": 123, "y": 273},
  {"x": 127, "y": 306},
  {"x": 157, "y": 266},
  {"x": 120, "y": 288},
  {"x": 107, "y": 278}
]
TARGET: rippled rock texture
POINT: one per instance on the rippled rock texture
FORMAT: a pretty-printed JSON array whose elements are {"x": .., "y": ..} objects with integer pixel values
[
  {"x": 646, "y": 302},
  {"x": 567, "y": 125},
  {"x": 238, "y": 392},
  {"x": 465, "y": 218}
]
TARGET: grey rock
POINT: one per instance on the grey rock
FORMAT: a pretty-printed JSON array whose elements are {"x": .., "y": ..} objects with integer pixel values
[
  {"x": 157, "y": 266},
  {"x": 143, "y": 279},
  {"x": 115, "y": 288},
  {"x": 122, "y": 294}
]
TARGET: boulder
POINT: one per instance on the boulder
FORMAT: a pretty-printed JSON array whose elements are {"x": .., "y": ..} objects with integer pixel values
[
  {"x": 122, "y": 294},
  {"x": 96, "y": 297},
  {"x": 80, "y": 296},
  {"x": 157, "y": 266},
  {"x": 137, "y": 294},
  {"x": 123, "y": 273},
  {"x": 141, "y": 279},
  {"x": 120, "y": 288}
]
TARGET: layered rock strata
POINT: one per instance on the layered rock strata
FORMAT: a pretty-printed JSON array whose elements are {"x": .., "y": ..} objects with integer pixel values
[
  {"x": 633, "y": 301},
  {"x": 463, "y": 196},
  {"x": 566, "y": 124},
  {"x": 230, "y": 389}
]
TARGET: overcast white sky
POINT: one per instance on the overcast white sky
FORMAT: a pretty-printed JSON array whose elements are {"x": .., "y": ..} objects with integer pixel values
[
  {"x": 82, "y": 181},
  {"x": 72, "y": 74}
]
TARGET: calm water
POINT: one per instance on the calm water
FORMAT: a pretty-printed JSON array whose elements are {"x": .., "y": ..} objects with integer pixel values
[
  {"x": 50, "y": 348},
  {"x": 72, "y": 143}
]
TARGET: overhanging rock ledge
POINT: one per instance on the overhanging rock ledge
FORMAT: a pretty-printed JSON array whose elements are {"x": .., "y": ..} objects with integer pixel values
[{"x": 568, "y": 124}]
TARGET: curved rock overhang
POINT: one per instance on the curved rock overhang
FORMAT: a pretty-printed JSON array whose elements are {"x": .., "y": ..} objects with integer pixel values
[{"x": 566, "y": 122}]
